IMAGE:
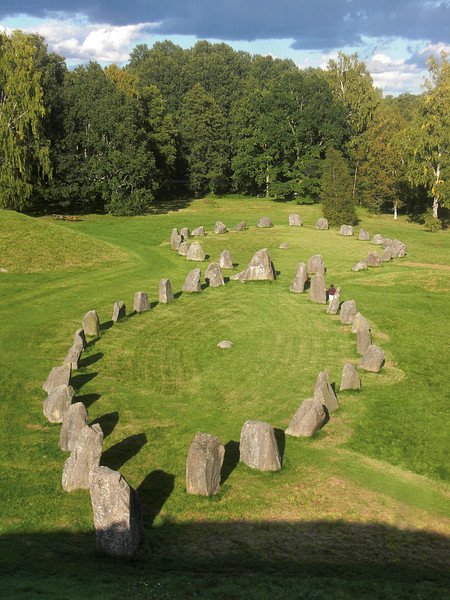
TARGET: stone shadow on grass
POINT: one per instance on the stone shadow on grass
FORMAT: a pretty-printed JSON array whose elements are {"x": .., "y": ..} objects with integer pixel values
[
  {"x": 106, "y": 325},
  {"x": 281, "y": 440},
  {"x": 153, "y": 493},
  {"x": 90, "y": 359},
  {"x": 77, "y": 381},
  {"x": 87, "y": 399},
  {"x": 107, "y": 422},
  {"x": 230, "y": 460},
  {"x": 120, "y": 453}
]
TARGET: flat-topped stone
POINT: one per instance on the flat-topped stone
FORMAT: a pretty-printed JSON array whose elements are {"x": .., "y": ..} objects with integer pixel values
[
  {"x": 350, "y": 378},
  {"x": 308, "y": 419},
  {"x": 165, "y": 291},
  {"x": 220, "y": 227},
  {"x": 317, "y": 291},
  {"x": 258, "y": 446},
  {"x": 377, "y": 239},
  {"x": 373, "y": 359},
  {"x": 175, "y": 239},
  {"x": 301, "y": 277},
  {"x": 204, "y": 464},
  {"x": 363, "y": 340},
  {"x": 363, "y": 235},
  {"x": 83, "y": 459},
  {"x": 322, "y": 223},
  {"x": 119, "y": 311},
  {"x": 213, "y": 275},
  {"x": 226, "y": 260},
  {"x": 264, "y": 222},
  {"x": 259, "y": 268},
  {"x": 195, "y": 252},
  {"x": 91, "y": 323},
  {"x": 324, "y": 393},
  {"x": 295, "y": 221},
  {"x": 316, "y": 264},
  {"x": 348, "y": 312},
  {"x": 192, "y": 281},
  {"x": 141, "y": 302},
  {"x": 74, "y": 420},
  {"x": 346, "y": 230},
  {"x": 398, "y": 249}
]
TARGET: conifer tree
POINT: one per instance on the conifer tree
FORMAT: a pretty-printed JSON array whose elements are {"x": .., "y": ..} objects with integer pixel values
[{"x": 337, "y": 200}]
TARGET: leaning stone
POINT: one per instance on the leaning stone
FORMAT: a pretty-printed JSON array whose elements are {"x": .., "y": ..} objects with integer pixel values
[
  {"x": 258, "y": 446},
  {"x": 79, "y": 339},
  {"x": 387, "y": 254},
  {"x": 220, "y": 227},
  {"x": 119, "y": 311},
  {"x": 316, "y": 264},
  {"x": 185, "y": 233},
  {"x": 363, "y": 235},
  {"x": 83, "y": 459},
  {"x": 225, "y": 260},
  {"x": 346, "y": 230},
  {"x": 373, "y": 259},
  {"x": 240, "y": 226},
  {"x": 213, "y": 275},
  {"x": 203, "y": 465},
  {"x": 225, "y": 344},
  {"x": 386, "y": 242},
  {"x": 141, "y": 302},
  {"x": 333, "y": 307},
  {"x": 359, "y": 322},
  {"x": 175, "y": 239},
  {"x": 183, "y": 248},
  {"x": 308, "y": 419},
  {"x": 363, "y": 340},
  {"x": 260, "y": 267},
  {"x": 373, "y": 359},
  {"x": 322, "y": 223},
  {"x": 195, "y": 252},
  {"x": 74, "y": 420},
  {"x": 57, "y": 376},
  {"x": 398, "y": 249},
  {"x": 118, "y": 517},
  {"x": 324, "y": 393},
  {"x": 264, "y": 222},
  {"x": 295, "y": 220},
  {"x": 165, "y": 291},
  {"x": 91, "y": 323},
  {"x": 359, "y": 266},
  {"x": 192, "y": 281},
  {"x": 57, "y": 403},
  {"x": 377, "y": 239},
  {"x": 348, "y": 312},
  {"x": 350, "y": 378},
  {"x": 317, "y": 291},
  {"x": 200, "y": 231},
  {"x": 301, "y": 277},
  {"x": 72, "y": 357}
]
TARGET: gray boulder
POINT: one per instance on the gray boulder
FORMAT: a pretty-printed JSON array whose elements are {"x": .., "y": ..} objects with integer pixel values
[
  {"x": 317, "y": 291},
  {"x": 301, "y": 277},
  {"x": 295, "y": 221},
  {"x": 359, "y": 322},
  {"x": 83, "y": 459},
  {"x": 74, "y": 421},
  {"x": 195, "y": 252},
  {"x": 264, "y": 222},
  {"x": 373, "y": 359},
  {"x": 225, "y": 344},
  {"x": 324, "y": 393},
  {"x": 203, "y": 465},
  {"x": 387, "y": 254},
  {"x": 57, "y": 403},
  {"x": 183, "y": 248},
  {"x": 91, "y": 323},
  {"x": 219, "y": 227},
  {"x": 398, "y": 249},
  {"x": 258, "y": 446},
  {"x": 141, "y": 302},
  {"x": 350, "y": 378},
  {"x": 79, "y": 339},
  {"x": 322, "y": 223},
  {"x": 237, "y": 276},
  {"x": 377, "y": 239},
  {"x": 165, "y": 291},
  {"x": 348, "y": 311},
  {"x": 363, "y": 235},
  {"x": 333, "y": 307},
  {"x": 316, "y": 264},
  {"x": 226, "y": 260},
  {"x": 57, "y": 376},
  {"x": 308, "y": 419},
  {"x": 283, "y": 246},
  {"x": 185, "y": 233},
  {"x": 199, "y": 231},
  {"x": 259, "y": 268},
  {"x": 175, "y": 239},
  {"x": 386, "y": 242},
  {"x": 363, "y": 340},
  {"x": 72, "y": 357},
  {"x": 346, "y": 230},
  {"x": 373, "y": 259},
  {"x": 213, "y": 275},
  {"x": 118, "y": 517},
  {"x": 119, "y": 311},
  {"x": 359, "y": 266},
  {"x": 242, "y": 226},
  {"x": 192, "y": 281}
]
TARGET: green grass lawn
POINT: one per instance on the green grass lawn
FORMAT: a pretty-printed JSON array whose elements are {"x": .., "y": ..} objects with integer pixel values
[{"x": 359, "y": 511}]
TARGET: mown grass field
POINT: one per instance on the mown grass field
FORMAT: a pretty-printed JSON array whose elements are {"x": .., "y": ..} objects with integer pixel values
[{"x": 359, "y": 511}]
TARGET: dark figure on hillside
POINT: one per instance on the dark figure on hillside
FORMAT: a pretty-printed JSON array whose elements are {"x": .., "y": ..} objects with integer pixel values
[{"x": 331, "y": 292}]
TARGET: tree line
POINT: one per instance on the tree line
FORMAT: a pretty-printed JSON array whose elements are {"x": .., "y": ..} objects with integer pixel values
[{"x": 214, "y": 120}]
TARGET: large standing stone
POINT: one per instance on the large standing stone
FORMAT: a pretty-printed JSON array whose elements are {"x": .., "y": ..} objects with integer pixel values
[
  {"x": 72, "y": 357},
  {"x": 363, "y": 340},
  {"x": 119, "y": 311},
  {"x": 359, "y": 322},
  {"x": 57, "y": 403},
  {"x": 363, "y": 235},
  {"x": 333, "y": 307},
  {"x": 264, "y": 222},
  {"x": 57, "y": 376},
  {"x": 175, "y": 239},
  {"x": 185, "y": 233},
  {"x": 295, "y": 220},
  {"x": 240, "y": 226},
  {"x": 226, "y": 260},
  {"x": 308, "y": 419},
  {"x": 324, "y": 393},
  {"x": 387, "y": 254},
  {"x": 317, "y": 291},
  {"x": 386, "y": 242},
  {"x": 83, "y": 459},
  {"x": 195, "y": 252},
  {"x": 348, "y": 311},
  {"x": 199, "y": 231},
  {"x": 260, "y": 267},
  {"x": 346, "y": 230},
  {"x": 373, "y": 359},
  {"x": 213, "y": 275},
  {"x": 322, "y": 223},
  {"x": 91, "y": 323},
  {"x": 192, "y": 281},
  {"x": 74, "y": 421},
  {"x": 220, "y": 227},
  {"x": 398, "y": 249},
  {"x": 350, "y": 378},
  {"x": 301, "y": 277},
  {"x": 117, "y": 512},
  {"x": 141, "y": 302},
  {"x": 316, "y": 264},
  {"x": 79, "y": 339},
  {"x": 203, "y": 465},
  {"x": 258, "y": 446},
  {"x": 183, "y": 248},
  {"x": 377, "y": 239},
  {"x": 165, "y": 291},
  {"x": 373, "y": 259}
]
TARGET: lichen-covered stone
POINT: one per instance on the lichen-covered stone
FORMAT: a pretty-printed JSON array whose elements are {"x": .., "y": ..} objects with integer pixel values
[
  {"x": 373, "y": 259},
  {"x": 225, "y": 344},
  {"x": 240, "y": 226},
  {"x": 79, "y": 339},
  {"x": 213, "y": 275},
  {"x": 377, "y": 239},
  {"x": 72, "y": 357},
  {"x": 346, "y": 230},
  {"x": 165, "y": 291},
  {"x": 185, "y": 233},
  {"x": 74, "y": 420},
  {"x": 195, "y": 252},
  {"x": 295, "y": 221},
  {"x": 359, "y": 266},
  {"x": 324, "y": 393},
  {"x": 204, "y": 464},
  {"x": 363, "y": 340},
  {"x": 57, "y": 376},
  {"x": 317, "y": 291},
  {"x": 316, "y": 264},
  {"x": 359, "y": 322},
  {"x": 264, "y": 222},
  {"x": 387, "y": 254},
  {"x": 83, "y": 459},
  {"x": 175, "y": 239},
  {"x": 373, "y": 359},
  {"x": 91, "y": 323},
  {"x": 192, "y": 281},
  {"x": 220, "y": 227},
  {"x": 301, "y": 277},
  {"x": 322, "y": 223},
  {"x": 226, "y": 260},
  {"x": 183, "y": 248},
  {"x": 348, "y": 311},
  {"x": 259, "y": 268},
  {"x": 308, "y": 419},
  {"x": 398, "y": 249},
  {"x": 119, "y": 311},
  {"x": 141, "y": 302},
  {"x": 57, "y": 403},
  {"x": 333, "y": 307},
  {"x": 199, "y": 231},
  {"x": 258, "y": 446},
  {"x": 363, "y": 235},
  {"x": 350, "y": 378}
]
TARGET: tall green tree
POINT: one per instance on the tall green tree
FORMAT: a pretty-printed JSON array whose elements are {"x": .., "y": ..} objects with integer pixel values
[{"x": 338, "y": 205}]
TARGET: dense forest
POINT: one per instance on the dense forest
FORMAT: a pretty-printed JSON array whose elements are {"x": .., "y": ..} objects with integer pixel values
[{"x": 214, "y": 120}]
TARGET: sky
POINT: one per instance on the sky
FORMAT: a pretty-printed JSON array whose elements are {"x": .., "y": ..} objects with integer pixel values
[{"x": 394, "y": 38}]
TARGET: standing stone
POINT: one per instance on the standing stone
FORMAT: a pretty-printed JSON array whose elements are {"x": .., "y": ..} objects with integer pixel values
[
  {"x": 195, "y": 252},
  {"x": 348, "y": 312},
  {"x": 74, "y": 421},
  {"x": 359, "y": 266},
  {"x": 79, "y": 339},
  {"x": 200, "y": 231},
  {"x": 119, "y": 311},
  {"x": 175, "y": 239},
  {"x": 91, "y": 323},
  {"x": 185, "y": 233},
  {"x": 363, "y": 340},
  {"x": 264, "y": 222},
  {"x": 373, "y": 359},
  {"x": 165, "y": 291},
  {"x": 386, "y": 242},
  {"x": 203, "y": 465},
  {"x": 260, "y": 267},
  {"x": 225, "y": 260},
  {"x": 317, "y": 291},
  {"x": 387, "y": 254},
  {"x": 359, "y": 322},
  {"x": 118, "y": 518},
  {"x": 377, "y": 239},
  {"x": 258, "y": 447},
  {"x": 308, "y": 419},
  {"x": 301, "y": 277},
  {"x": 316, "y": 264},
  {"x": 141, "y": 302},
  {"x": 183, "y": 248},
  {"x": 322, "y": 223},
  {"x": 346, "y": 230},
  {"x": 242, "y": 226},
  {"x": 324, "y": 393},
  {"x": 220, "y": 227},
  {"x": 350, "y": 378},
  {"x": 192, "y": 281},
  {"x": 72, "y": 357},
  {"x": 373, "y": 259},
  {"x": 83, "y": 459},
  {"x": 57, "y": 403},
  {"x": 295, "y": 221},
  {"x": 57, "y": 376},
  {"x": 398, "y": 249},
  {"x": 333, "y": 307},
  {"x": 213, "y": 275},
  {"x": 363, "y": 235}
]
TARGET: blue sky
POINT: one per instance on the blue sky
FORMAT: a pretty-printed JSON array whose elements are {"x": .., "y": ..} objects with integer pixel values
[{"x": 393, "y": 37}]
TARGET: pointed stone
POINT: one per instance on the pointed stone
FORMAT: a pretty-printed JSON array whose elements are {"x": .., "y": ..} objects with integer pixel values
[
  {"x": 226, "y": 260},
  {"x": 79, "y": 339},
  {"x": 183, "y": 248},
  {"x": 373, "y": 359},
  {"x": 317, "y": 291},
  {"x": 324, "y": 393},
  {"x": 333, "y": 307},
  {"x": 308, "y": 419},
  {"x": 175, "y": 239},
  {"x": 213, "y": 275},
  {"x": 301, "y": 277},
  {"x": 398, "y": 249},
  {"x": 165, "y": 291},
  {"x": 316, "y": 264},
  {"x": 240, "y": 226},
  {"x": 350, "y": 378},
  {"x": 348, "y": 312},
  {"x": 192, "y": 281},
  {"x": 259, "y": 268},
  {"x": 359, "y": 322},
  {"x": 72, "y": 357},
  {"x": 74, "y": 420},
  {"x": 185, "y": 233},
  {"x": 204, "y": 464},
  {"x": 119, "y": 311},
  {"x": 387, "y": 254},
  {"x": 91, "y": 323},
  {"x": 57, "y": 376},
  {"x": 386, "y": 242},
  {"x": 195, "y": 252},
  {"x": 199, "y": 231},
  {"x": 57, "y": 403},
  {"x": 264, "y": 222},
  {"x": 83, "y": 459},
  {"x": 363, "y": 340},
  {"x": 220, "y": 227},
  {"x": 258, "y": 446}
]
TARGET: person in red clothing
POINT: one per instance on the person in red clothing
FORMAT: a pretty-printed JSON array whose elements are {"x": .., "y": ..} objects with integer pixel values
[{"x": 331, "y": 292}]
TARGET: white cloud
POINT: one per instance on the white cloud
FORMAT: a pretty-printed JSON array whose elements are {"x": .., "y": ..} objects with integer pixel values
[{"x": 394, "y": 75}]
